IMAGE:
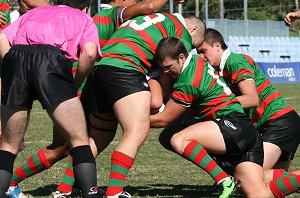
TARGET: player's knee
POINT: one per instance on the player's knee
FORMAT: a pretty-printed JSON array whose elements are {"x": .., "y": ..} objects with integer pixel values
[
  {"x": 177, "y": 142},
  {"x": 138, "y": 134},
  {"x": 54, "y": 155},
  {"x": 164, "y": 140}
]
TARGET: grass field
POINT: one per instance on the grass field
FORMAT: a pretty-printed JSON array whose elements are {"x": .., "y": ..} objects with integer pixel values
[{"x": 156, "y": 172}]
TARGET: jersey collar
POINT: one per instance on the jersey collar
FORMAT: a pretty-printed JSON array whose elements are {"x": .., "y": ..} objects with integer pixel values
[
  {"x": 187, "y": 61},
  {"x": 104, "y": 6},
  {"x": 180, "y": 18},
  {"x": 224, "y": 58}
]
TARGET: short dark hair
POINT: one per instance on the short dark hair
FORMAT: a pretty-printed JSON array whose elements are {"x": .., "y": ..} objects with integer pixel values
[
  {"x": 80, "y": 4},
  {"x": 170, "y": 47},
  {"x": 106, "y": 1},
  {"x": 212, "y": 36}
]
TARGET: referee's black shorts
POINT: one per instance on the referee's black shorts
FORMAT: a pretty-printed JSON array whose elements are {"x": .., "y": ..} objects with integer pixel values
[{"x": 36, "y": 72}]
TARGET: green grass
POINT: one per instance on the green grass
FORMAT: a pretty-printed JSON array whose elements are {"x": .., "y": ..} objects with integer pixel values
[{"x": 156, "y": 172}]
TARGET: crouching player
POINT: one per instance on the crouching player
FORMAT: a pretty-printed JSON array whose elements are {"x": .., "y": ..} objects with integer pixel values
[{"x": 221, "y": 128}]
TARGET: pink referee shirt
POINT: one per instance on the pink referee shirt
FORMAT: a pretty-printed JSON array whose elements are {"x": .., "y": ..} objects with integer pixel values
[{"x": 61, "y": 26}]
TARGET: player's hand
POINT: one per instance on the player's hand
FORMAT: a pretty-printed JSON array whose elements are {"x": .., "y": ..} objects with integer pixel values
[
  {"x": 2, "y": 19},
  {"x": 291, "y": 17}
]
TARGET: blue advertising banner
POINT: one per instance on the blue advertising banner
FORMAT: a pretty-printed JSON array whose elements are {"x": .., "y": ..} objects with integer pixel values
[{"x": 282, "y": 73}]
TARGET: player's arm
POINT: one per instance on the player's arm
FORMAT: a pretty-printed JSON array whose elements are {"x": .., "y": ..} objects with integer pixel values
[
  {"x": 85, "y": 63},
  {"x": 143, "y": 7},
  {"x": 170, "y": 113},
  {"x": 156, "y": 95},
  {"x": 291, "y": 16},
  {"x": 167, "y": 84},
  {"x": 249, "y": 97},
  {"x": 5, "y": 46},
  {"x": 35, "y": 3}
]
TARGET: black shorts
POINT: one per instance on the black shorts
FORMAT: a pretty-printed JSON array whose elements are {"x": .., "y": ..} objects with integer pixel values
[
  {"x": 107, "y": 84},
  {"x": 36, "y": 72},
  {"x": 242, "y": 140},
  {"x": 284, "y": 132}
]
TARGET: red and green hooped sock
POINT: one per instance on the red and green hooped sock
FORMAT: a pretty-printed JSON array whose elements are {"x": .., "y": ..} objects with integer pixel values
[
  {"x": 68, "y": 179},
  {"x": 198, "y": 155},
  {"x": 35, "y": 164},
  {"x": 120, "y": 165},
  {"x": 277, "y": 173},
  {"x": 285, "y": 185}
]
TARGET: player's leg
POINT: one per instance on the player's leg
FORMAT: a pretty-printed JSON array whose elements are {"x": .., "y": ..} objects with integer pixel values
[
  {"x": 15, "y": 108},
  {"x": 132, "y": 112},
  {"x": 180, "y": 123},
  {"x": 251, "y": 176},
  {"x": 102, "y": 131},
  {"x": 194, "y": 142},
  {"x": 271, "y": 155},
  {"x": 14, "y": 124},
  {"x": 167, "y": 133},
  {"x": 41, "y": 160},
  {"x": 69, "y": 115},
  {"x": 281, "y": 139},
  {"x": 126, "y": 93}
]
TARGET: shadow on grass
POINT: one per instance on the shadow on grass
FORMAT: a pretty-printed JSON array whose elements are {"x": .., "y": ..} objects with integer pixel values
[
  {"x": 156, "y": 190},
  {"x": 43, "y": 191}
]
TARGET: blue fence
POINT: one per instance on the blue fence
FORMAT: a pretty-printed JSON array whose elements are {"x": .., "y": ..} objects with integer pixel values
[{"x": 282, "y": 73}]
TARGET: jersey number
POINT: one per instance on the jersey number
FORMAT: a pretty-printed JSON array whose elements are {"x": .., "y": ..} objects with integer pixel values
[{"x": 147, "y": 22}]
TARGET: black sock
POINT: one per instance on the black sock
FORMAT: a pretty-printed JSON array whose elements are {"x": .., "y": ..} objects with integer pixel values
[
  {"x": 6, "y": 169},
  {"x": 85, "y": 170}
]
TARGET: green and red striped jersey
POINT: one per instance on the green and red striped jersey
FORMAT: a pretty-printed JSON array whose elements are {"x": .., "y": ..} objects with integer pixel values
[
  {"x": 203, "y": 91},
  {"x": 239, "y": 67},
  {"x": 4, "y": 7},
  {"x": 107, "y": 21},
  {"x": 133, "y": 45}
]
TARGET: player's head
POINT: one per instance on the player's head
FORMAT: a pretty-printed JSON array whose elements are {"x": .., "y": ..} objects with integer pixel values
[
  {"x": 124, "y": 3},
  {"x": 80, "y": 4},
  {"x": 212, "y": 47},
  {"x": 23, "y": 7},
  {"x": 171, "y": 55},
  {"x": 196, "y": 28},
  {"x": 213, "y": 36}
]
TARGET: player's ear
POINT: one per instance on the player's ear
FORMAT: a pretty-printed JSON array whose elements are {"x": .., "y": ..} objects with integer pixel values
[
  {"x": 182, "y": 58},
  {"x": 194, "y": 29},
  {"x": 218, "y": 44},
  {"x": 85, "y": 9}
]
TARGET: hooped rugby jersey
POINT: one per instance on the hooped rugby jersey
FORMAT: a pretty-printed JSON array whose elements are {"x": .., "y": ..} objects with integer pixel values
[
  {"x": 4, "y": 7},
  {"x": 239, "y": 67},
  {"x": 133, "y": 45},
  {"x": 107, "y": 21},
  {"x": 203, "y": 91}
]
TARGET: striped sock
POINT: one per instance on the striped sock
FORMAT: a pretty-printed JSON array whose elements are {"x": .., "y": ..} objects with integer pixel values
[
  {"x": 198, "y": 155},
  {"x": 68, "y": 179},
  {"x": 35, "y": 164},
  {"x": 277, "y": 173},
  {"x": 120, "y": 165},
  {"x": 285, "y": 185}
]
